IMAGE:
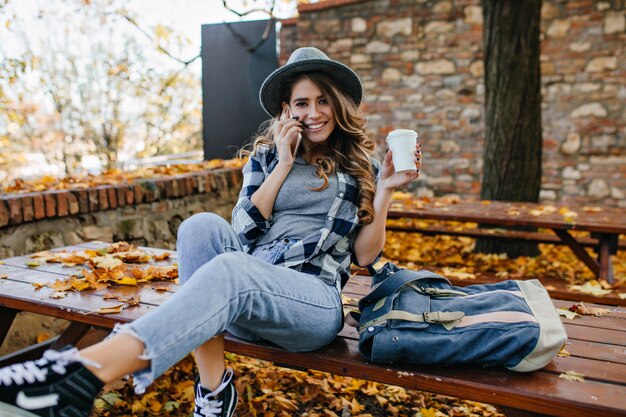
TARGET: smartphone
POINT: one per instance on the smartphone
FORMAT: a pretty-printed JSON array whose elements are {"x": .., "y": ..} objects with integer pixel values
[{"x": 294, "y": 149}]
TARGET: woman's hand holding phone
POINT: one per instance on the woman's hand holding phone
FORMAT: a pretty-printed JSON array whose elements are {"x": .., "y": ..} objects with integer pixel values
[{"x": 287, "y": 135}]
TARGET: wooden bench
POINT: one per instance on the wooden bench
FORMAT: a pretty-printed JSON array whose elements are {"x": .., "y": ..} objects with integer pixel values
[
  {"x": 604, "y": 224},
  {"x": 597, "y": 347}
]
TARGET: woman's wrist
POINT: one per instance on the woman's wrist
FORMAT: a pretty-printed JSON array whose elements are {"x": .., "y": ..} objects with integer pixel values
[
  {"x": 384, "y": 186},
  {"x": 284, "y": 165}
]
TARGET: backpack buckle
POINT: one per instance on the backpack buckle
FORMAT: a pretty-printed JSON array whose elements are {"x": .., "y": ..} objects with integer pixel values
[{"x": 447, "y": 319}]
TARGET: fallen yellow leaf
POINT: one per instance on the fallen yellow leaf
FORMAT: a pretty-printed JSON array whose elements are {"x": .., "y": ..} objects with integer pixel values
[
  {"x": 111, "y": 310},
  {"x": 58, "y": 294},
  {"x": 42, "y": 337},
  {"x": 563, "y": 353},
  {"x": 592, "y": 287},
  {"x": 106, "y": 262},
  {"x": 451, "y": 273},
  {"x": 573, "y": 376},
  {"x": 126, "y": 281},
  {"x": 567, "y": 313}
]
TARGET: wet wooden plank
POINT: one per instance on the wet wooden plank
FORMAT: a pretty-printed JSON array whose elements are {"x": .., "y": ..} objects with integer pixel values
[
  {"x": 599, "y": 351},
  {"x": 146, "y": 291},
  {"x": 75, "y": 306},
  {"x": 609, "y": 372},
  {"x": 590, "y": 334},
  {"x": 608, "y": 220},
  {"x": 494, "y": 233},
  {"x": 538, "y": 392}
]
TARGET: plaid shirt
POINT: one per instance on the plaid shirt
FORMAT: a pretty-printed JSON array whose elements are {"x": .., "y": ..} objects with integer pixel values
[{"x": 328, "y": 252}]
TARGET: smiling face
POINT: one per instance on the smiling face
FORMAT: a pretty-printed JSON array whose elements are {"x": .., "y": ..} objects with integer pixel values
[{"x": 314, "y": 110}]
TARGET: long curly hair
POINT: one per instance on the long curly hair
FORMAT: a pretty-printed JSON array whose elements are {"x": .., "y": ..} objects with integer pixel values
[{"x": 348, "y": 147}]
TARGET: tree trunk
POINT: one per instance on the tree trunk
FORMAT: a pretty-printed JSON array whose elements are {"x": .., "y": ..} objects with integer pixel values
[{"x": 513, "y": 140}]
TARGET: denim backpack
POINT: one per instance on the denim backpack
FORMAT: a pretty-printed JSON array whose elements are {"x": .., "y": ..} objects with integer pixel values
[{"x": 418, "y": 317}]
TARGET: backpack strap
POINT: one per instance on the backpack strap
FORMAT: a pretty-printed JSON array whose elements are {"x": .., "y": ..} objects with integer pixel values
[
  {"x": 448, "y": 319},
  {"x": 394, "y": 282}
]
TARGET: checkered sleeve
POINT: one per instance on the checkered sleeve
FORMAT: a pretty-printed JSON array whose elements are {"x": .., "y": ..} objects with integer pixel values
[{"x": 247, "y": 220}]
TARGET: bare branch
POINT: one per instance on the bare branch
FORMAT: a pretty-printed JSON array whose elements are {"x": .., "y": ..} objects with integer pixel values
[
  {"x": 270, "y": 12},
  {"x": 133, "y": 22}
]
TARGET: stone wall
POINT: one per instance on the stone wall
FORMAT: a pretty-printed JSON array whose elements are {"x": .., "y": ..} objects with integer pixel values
[
  {"x": 421, "y": 65},
  {"x": 145, "y": 212}
]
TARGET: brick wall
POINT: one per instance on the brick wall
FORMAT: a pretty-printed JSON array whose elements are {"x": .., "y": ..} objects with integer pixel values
[
  {"x": 145, "y": 212},
  {"x": 421, "y": 65}
]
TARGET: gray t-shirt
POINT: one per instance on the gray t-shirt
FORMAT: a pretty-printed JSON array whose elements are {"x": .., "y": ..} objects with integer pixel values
[{"x": 298, "y": 210}]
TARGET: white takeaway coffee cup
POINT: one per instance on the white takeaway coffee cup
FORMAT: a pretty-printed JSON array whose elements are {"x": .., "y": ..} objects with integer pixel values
[{"x": 402, "y": 143}]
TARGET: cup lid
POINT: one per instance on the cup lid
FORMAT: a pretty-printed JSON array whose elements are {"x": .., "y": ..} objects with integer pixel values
[{"x": 401, "y": 132}]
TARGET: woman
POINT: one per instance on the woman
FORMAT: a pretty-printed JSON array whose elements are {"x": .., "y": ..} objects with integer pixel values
[{"x": 313, "y": 201}]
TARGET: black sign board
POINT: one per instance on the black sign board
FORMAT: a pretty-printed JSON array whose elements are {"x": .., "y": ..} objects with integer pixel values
[{"x": 235, "y": 61}]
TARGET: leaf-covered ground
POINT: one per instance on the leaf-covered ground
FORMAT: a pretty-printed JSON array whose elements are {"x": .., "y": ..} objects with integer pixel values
[
  {"x": 271, "y": 391},
  {"x": 266, "y": 390}
]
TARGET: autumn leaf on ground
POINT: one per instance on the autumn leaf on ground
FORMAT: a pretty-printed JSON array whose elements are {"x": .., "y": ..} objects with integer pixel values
[
  {"x": 622, "y": 295},
  {"x": 449, "y": 272},
  {"x": 399, "y": 195},
  {"x": 4, "y": 276},
  {"x": 570, "y": 216},
  {"x": 116, "y": 309},
  {"x": 285, "y": 403},
  {"x": 348, "y": 300},
  {"x": 128, "y": 301},
  {"x": 567, "y": 313},
  {"x": 42, "y": 337},
  {"x": 592, "y": 287},
  {"x": 126, "y": 281},
  {"x": 563, "y": 353},
  {"x": 119, "y": 247},
  {"x": 583, "y": 310},
  {"x": 58, "y": 294},
  {"x": 133, "y": 257},
  {"x": 162, "y": 257},
  {"x": 32, "y": 263},
  {"x": 80, "y": 284},
  {"x": 61, "y": 285},
  {"x": 428, "y": 412},
  {"x": 544, "y": 210},
  {"x": 106, "y": 262},
  {"x": 573, "y": 376}
]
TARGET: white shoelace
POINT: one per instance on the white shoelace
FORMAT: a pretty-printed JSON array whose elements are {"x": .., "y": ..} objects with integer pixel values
[
  {"x": 36, "y": 370},
  {"x": 212, "y": 407}
]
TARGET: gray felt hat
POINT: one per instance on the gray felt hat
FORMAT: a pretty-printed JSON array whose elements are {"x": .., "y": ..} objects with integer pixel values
[{"x": 307, "y": 59}]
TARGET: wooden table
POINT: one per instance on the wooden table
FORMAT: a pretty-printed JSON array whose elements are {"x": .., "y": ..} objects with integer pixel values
[
  {"x": 604, "y": 225},
  {"x": 597, "y": 347}
]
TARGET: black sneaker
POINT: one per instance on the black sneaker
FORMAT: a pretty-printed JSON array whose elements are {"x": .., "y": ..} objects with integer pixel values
[
  {"x": 57, "y": 385},
  {"x": 219, "y": 403}
]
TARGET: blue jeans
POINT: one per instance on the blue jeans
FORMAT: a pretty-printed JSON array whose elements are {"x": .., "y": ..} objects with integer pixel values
[{"x": 224, "y": 288}]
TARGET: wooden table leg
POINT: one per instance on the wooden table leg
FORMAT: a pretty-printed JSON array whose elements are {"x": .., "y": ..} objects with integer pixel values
[
  {"x": 606, "y": 248},
  {"x": 580, "y": 252},
  {"x": 72, "y": 334},
  {"x": 7, "y": 315}
]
